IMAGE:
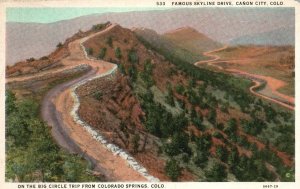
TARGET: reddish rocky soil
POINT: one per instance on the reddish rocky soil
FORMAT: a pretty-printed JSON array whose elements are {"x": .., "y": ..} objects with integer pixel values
[{"x": 118, "y": 104}]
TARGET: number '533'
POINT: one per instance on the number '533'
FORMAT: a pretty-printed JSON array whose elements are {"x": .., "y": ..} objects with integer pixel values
[{"x": 160, "y": 3}]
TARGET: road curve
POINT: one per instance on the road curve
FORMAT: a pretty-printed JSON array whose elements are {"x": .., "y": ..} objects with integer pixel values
[
  {"x": 257, "y": 79},
  {"x": 214, "y": 57},
  {"x": 56, "y": 108}
]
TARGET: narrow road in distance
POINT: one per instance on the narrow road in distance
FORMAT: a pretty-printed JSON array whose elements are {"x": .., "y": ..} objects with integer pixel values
[{"x": 259, "y": 80}]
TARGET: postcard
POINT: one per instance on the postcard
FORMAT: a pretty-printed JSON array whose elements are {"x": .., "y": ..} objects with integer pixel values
[{"x": 149, "y": 94}]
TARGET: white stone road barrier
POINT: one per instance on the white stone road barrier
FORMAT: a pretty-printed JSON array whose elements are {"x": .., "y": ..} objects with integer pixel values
[{"x": 96, "y": 135}]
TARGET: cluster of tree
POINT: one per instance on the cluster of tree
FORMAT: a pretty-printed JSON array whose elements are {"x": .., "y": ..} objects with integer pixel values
[
  {"x": 169, "y": 98},
  {"x": 44, "y": 58},
  {"x": 146, "y": 74},
  {"x": 133, "y": 59},
  {"x": 102, "y": 53},
  {"x": 98, "y": 27},
  {"x": 98, "y": 95},
  {"x": 135, "y": 142},
  {"x": 243, "y": 141},
  {"x": 285, "y": 141},
  {"x": 196, "y": 119},
  {"x": 231, "y": 126},
  {"x": 118, "y": 53},
  {"x": 222, "y": 153},
  {"x": 31, "y": 154},
  {"x": 270, "y": 112},
  {"x": 109, "y": 41},
  {"x": 203, "y": 145},
  {"x": 251, "y": 169},
  {"x": 200, "y": 158},
  {"x": 212, "y": 116},
  {"x": 180, "y": 89},
  {"x": 245, "y": 168},
  {"x": 253, "y": 127},
  {"x": 132, "y": 72},
  {"x": 236, "y": 87},
  {"x": 122, "y": 68},
  {"x": 133, "y": 56},
  {"x": 270, "y": 156},
  {"x": 177, "y": 144},
  {"x": 89, "y": 51},
  {"x": 192, "y": 95},
  {"x": 172, "y": 169},
  {"x": 159, "y": 121},
  {"x": 30, "y": 59},
  {"x": 287, "y": 116},
  {"x": 254, "y": 168},
  {"x": 59, "y": 45},
  {"x": 217, "y": 172},
  {"x": 171, "y": 128}
]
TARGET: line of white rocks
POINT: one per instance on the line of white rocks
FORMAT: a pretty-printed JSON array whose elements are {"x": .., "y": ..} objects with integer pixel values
[{"x": 96, "y": 135}]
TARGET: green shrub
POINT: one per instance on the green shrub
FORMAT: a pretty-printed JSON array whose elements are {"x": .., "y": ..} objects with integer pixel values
[
  {"x": 89, "y": 51},
  {"x": 59, "y": 45},
  {"x": 30, "y": 148},
  {"x": 172, "y": 169},
  {"x": 109, "y": 41},
  {"x": 98, "y": 95},
  {"x": 178, "y": 144},
  {"x": 146, "y": 75},
  {"x": 222, "y": 153},
  {"x": 217, "y": 173},
  {"x": 180, "y": 89},
  {"x": 118, "y": 53},
  {"x": 98, "y": 27},
  {"x": 201, "y": 159},
  {"x": 133, "y": 56},
  {"x": 122, "y": 68},
  {"x": 102, "y": 53}
]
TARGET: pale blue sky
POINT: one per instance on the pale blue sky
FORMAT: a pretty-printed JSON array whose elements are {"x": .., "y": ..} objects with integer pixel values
[{"x": 48, "y": 15}]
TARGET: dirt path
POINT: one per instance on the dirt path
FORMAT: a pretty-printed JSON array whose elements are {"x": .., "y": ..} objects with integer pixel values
[
  {"x": 69, "y": 134},
  {"x": 56, "y": 108},
  {"x": 214, "y": 57},
  {"x": 272, "y": 84}
]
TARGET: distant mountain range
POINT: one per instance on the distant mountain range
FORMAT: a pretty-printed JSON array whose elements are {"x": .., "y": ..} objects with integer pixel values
[
  {"x": 224, "y": 25},
  {"x": 281, "y": 36}
]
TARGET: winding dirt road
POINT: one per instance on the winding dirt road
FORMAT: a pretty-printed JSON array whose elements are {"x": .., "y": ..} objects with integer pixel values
[
  {"x": 214, "y": 57},
  {"x": 56, "y": 108},
  {"x": 272, "y": 84}
]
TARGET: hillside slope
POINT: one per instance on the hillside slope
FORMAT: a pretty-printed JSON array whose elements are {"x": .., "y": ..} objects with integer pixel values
[
  {"x": 190, "y": 39},
  {"x": 164, "y": 110},
  {"x": 169, "y": 45}
]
